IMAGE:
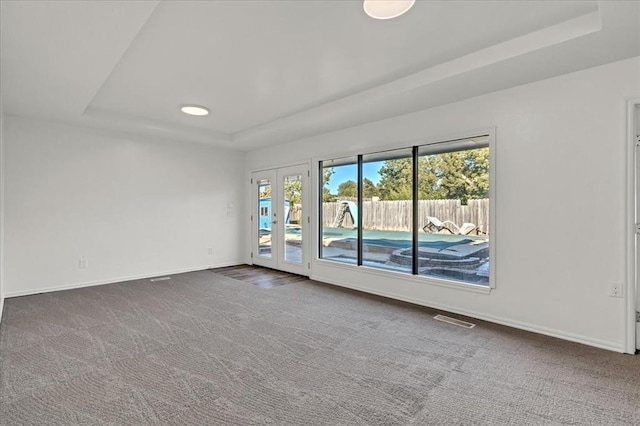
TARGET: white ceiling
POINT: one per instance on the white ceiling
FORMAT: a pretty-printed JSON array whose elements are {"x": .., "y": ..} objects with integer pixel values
[{"x": 276, "y": 71}]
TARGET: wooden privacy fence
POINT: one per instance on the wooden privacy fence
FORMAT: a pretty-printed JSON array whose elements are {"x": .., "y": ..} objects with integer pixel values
[
  {"x": 397, "y": 215},
  {"x": 295, "y": 214}
]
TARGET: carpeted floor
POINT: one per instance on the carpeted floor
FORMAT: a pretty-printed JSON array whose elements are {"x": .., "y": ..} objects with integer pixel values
[{"x": 205, "y": 349}]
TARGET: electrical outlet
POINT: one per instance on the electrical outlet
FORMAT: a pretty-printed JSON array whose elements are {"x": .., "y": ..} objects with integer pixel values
[
  {"x": 210, "y": 251},
  {"x": 616, "y": 290},
  {"x": 82, "y": 263}
]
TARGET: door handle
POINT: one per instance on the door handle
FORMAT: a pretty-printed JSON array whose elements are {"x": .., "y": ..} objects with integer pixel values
[{"x": 274, "y": 222}]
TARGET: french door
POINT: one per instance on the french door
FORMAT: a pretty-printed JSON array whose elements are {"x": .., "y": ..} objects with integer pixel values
[{"x": 280, "y": 219}]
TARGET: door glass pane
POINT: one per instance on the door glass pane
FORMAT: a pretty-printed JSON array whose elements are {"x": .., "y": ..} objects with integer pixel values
[
  {"x": 264, "y": 218},
  {"x": 339, "y": 204},
  {"x": 292, "y": 215},
  {"x": 387, "y": 210}
]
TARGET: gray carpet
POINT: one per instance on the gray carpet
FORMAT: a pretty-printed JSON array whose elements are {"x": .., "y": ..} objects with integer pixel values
[{"x": 204, "y": 349}]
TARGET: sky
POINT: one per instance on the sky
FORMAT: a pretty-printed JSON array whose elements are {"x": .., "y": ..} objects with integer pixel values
[{"x": 350, "y": 172}]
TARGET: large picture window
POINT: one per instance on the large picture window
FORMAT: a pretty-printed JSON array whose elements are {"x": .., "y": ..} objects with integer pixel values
[
  {"x": 422, "y": 210},
  {"x": 387, "y": 209},
  {"x": 339, "y": 214}
]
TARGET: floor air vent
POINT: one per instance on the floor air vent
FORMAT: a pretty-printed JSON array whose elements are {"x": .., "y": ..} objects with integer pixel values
[
  {"x": 160, "y": 279},
  {"x": 454, "y": 321}
]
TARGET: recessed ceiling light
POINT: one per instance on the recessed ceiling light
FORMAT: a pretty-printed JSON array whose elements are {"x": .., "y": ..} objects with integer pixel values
[
  {"x": 194, "y": 110},
  {"x": 386, "y": 9}
]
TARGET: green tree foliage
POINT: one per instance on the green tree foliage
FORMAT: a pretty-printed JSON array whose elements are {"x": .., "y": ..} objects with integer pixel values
[
  {"x": 293, "y": 190},
  {"x": 369, "y": 189},
  {"x": 396, "y": 177},
  {"x": 348, "y": 188},
  {"x": 327, "y": 172},
  {"x": 264, "y": 191},
  {"x": 327, "y": 197},
  {"x": 462, "y": 175}
]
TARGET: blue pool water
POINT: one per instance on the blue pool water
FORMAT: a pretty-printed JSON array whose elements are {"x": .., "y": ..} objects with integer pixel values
[{"x": 400, "y": 238}]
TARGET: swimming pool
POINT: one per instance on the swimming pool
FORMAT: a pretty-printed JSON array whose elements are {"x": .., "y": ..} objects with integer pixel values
[
  {"x": 395, "y": 238},
  {"x": 457, "y": 257}
]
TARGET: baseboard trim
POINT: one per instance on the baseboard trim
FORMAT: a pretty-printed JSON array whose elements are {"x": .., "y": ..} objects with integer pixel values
[
  {"x": 120, "y": 279},
  {"x": 1, "y": 309},
  {"x": 576, "y": 338}
]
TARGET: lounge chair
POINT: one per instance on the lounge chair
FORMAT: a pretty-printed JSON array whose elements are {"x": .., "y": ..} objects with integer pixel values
[
  {"x": 435, "y": 225},
  {"x": 468, "y": 229},
  {"x": 481, "y": 230}
]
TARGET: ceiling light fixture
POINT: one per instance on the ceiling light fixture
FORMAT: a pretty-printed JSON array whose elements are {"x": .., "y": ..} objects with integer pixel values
[
  {"x": 194, "y": 110},
  {"x": 386, "y": 9}
]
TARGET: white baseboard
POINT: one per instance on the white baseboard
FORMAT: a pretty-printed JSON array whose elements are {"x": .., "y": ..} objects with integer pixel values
[
  {"x": 119, "y": 279},
  {"x": 1, "y": 308},
  {"x": 602, "y": 344}
]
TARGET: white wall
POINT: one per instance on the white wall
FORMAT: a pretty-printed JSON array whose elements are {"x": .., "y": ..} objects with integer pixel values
[
  {"x": 1, "y": 208},
  {"x": 130, "y": 207},
  {"x": 560, "y": 192}
]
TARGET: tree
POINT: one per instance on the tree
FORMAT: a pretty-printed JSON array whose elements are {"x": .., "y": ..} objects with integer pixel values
[
  {"x": 264, "y": 191},
  {"x": 293, "y": 190},
  {"x": 459, "y": 175},
  {"x": 327, "y": 197},
  {"x": 463, "y": 175},
  {"x": 348, "y": 188},
  {"x": 369, "y": 189},
  {"x": 396, "y": 177},
  {"x": 327, "y": 172}
]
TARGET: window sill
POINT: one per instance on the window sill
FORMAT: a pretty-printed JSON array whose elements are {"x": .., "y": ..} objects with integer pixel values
[{"x": 418, "y": 279}]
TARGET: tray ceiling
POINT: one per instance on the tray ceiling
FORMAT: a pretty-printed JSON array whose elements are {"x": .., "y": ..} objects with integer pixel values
[{"x": 272, "y": 72}]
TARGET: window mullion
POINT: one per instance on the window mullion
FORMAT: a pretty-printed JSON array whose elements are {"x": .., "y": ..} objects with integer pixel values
[
  {"x": 320, "y": 204},
  {"x": 415, "y": 218},
  {"x": 360, "y": 210}
]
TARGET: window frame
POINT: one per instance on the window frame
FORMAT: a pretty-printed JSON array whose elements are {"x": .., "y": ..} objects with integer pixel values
[{"x": 416, "y": 146}]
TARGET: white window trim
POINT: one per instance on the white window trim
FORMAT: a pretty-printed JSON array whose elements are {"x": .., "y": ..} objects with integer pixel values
[{"x": 421, "y": 279}]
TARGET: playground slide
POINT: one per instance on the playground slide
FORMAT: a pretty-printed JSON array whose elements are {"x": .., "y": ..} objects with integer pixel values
[
  {"x": 347, "y": 207},
  {"x": 353, "y": 209}
]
